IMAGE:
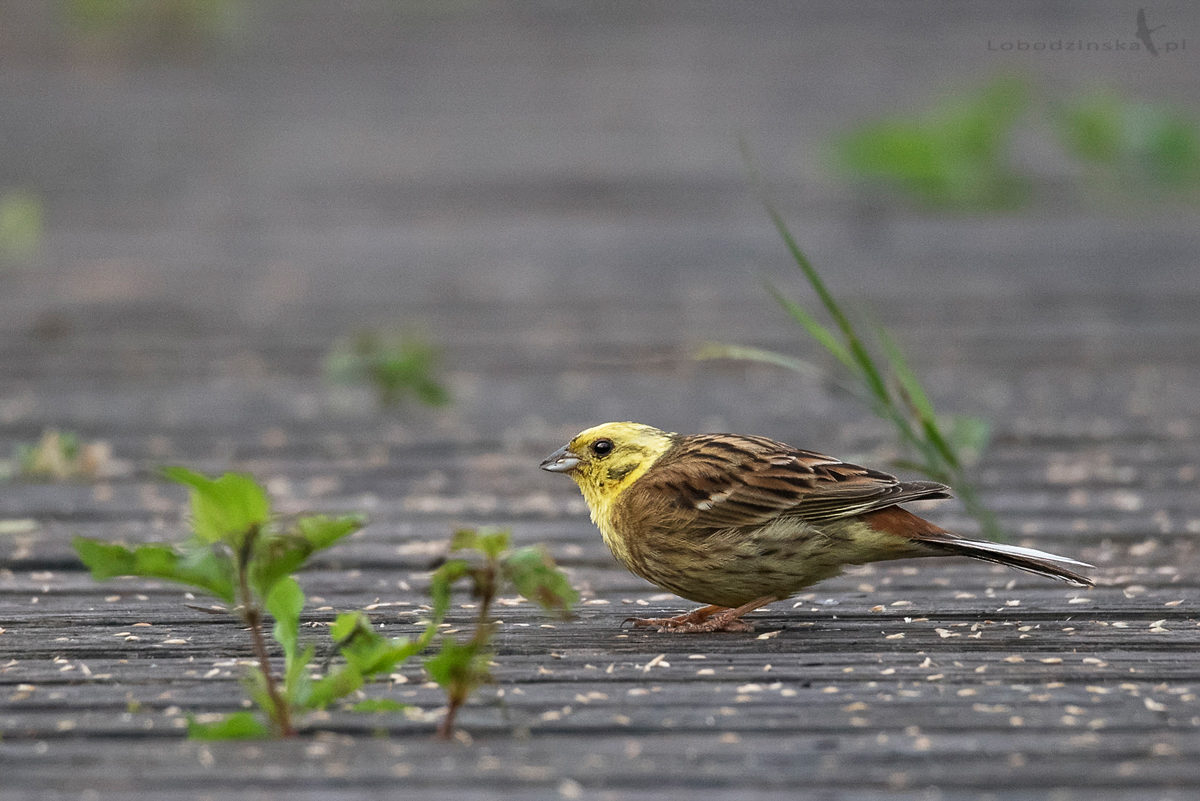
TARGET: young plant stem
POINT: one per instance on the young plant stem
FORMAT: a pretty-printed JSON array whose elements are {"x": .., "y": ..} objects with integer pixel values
[
  {"x": 454, "y": 700},
  {"x": 486, "y": 592},
  {"x": 280, "y": 712}
]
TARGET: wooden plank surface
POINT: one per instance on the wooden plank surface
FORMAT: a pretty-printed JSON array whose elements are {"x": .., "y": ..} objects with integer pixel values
[{"x": 554, "y": 195}]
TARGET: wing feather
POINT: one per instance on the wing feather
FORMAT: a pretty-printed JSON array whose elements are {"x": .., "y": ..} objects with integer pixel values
[{"x": 722, "y": 481}]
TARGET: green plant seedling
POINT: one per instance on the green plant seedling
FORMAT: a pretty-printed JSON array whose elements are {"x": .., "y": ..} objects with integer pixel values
[
  {"x": 395, "y": 365},
  {"x": 954, "y": 155},
  {"x": 139, "y": 25},
  {"x": 62, "y": 456},
  {"x": 1132, "y": 143},
  {"x": 239, "y": 554},
  {"x": 487, "y": 563},
  {"x": 21, "y": 225}
]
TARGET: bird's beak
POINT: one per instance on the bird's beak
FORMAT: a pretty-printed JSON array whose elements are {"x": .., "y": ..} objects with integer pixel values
[{"x": 561, "y": 461}]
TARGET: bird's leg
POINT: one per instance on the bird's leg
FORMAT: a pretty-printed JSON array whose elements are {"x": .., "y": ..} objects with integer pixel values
[{"x": 707, "y": 618}]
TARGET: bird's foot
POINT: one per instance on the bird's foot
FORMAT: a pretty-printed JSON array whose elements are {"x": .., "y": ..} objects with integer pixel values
[
  {"x": 703, "y": 620},
  {"x": 679, "y": 623}
]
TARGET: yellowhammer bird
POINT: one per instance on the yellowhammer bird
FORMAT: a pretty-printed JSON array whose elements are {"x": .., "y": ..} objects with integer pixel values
[{"x": 738, "y": 522}]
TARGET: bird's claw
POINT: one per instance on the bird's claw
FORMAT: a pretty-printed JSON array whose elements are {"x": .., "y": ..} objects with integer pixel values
[{"x": 684, "y": 625}]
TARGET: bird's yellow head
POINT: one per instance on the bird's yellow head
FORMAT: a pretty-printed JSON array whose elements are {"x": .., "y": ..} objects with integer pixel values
[{"x": 606, "y": 459}]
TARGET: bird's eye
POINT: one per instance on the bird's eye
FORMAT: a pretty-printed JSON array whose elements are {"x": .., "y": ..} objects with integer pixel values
[{"x": 602, "y": 447}]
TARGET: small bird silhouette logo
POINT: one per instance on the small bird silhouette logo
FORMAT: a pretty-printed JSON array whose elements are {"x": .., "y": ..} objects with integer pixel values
[{"x": 1144, "y": 31}]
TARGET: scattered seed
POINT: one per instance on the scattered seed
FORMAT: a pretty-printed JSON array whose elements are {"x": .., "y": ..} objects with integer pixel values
[
  {"x": 1154, "y": 706},
  {"x": 655, "y": 662}
]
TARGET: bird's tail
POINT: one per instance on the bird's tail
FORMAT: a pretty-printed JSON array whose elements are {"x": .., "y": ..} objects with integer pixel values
[
  {"x": 1029, "y": 559},
  {"x": 900, "y": 521}
]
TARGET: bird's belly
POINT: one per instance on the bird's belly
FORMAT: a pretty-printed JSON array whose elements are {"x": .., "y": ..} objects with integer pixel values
[{"x": 732, "y": 567}]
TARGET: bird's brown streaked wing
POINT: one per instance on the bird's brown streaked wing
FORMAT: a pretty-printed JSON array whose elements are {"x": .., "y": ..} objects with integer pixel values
[{"x": 718, "y": 481}]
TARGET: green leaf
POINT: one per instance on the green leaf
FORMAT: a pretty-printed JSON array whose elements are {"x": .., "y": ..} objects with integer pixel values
[
  {"x": 464, "y": 539},
  {"x": 225, "y": 509},
  {"x": 235, "y": 726},
  {"x": 285, "y": 603},
  {"x": 490, "y": 542},
  {"x": 431, "y": 393},
  {"x": 377, "y": 705},
  {"x": 321, "y": 532},
  {"x": 297, "y": 684},
  {"x": 493, "y": 542},
  {"x": 256, "y": 687},
  {"x": 536, "y": 577},
  {"x": 344, "y": 625},
  {"x": 204, "y": 568},
  {"x": 440, "y": 584},
  {"x": 458, "y": 666},
  {"x": 367, "y": 650},
  {"x": 279, "y": 555},
  {"x": 333, "y": 686}
]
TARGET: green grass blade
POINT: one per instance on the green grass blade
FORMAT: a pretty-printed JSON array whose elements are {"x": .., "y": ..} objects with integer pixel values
[
  {"x": 747, "y": 353},
  {"x": 917, "y": 400},
  {"x": 907, "y": 408},
  {"x": 853, "y": 344},
  {"x": 914, "y": 393},
  {"x": 820, "y": 333}
]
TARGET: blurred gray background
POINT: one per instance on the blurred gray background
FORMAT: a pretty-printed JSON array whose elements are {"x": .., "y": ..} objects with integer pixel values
[{"x": 553, "y": 194}]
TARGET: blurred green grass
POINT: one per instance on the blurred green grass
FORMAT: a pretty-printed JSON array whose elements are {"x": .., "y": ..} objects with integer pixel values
[
  {"x": 142, "y": 24},
  {"x": 21, "y": 225},
  {"x": 1123, "y": 140},
  {"x": 395, "y": 364},
  {"x": 957, "y": 155}
]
